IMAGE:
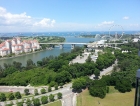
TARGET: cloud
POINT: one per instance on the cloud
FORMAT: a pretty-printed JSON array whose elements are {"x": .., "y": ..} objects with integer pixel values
[
  {"x": 126, "y": 18},
  {"x": 106, "y": 23},
  {"x": 46, "y": 22},
  {"x": 9, "y": 20}
]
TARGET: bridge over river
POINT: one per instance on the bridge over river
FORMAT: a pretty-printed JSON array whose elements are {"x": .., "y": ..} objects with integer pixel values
[{"x": 93, "y": 45}]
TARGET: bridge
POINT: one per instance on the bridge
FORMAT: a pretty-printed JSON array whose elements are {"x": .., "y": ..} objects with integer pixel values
[{"x": 94, "y": 44}]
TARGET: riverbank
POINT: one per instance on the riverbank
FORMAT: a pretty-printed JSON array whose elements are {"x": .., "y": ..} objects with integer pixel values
[
  {"x": 37, "y": 56},
  {"x": 4, "y": 58}
]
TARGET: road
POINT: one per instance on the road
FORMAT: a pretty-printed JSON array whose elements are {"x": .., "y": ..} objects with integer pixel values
[
  {"x": 65, "y": 91},
  {"x": 108, "y": 70},
  {"x": 105, "y": 71}
]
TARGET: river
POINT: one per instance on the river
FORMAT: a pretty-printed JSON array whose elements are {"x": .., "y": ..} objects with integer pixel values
[{"x": 39, "y": 55}]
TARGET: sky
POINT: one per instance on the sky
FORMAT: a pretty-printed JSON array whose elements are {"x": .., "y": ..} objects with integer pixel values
[{"x": 69, "y": 15}]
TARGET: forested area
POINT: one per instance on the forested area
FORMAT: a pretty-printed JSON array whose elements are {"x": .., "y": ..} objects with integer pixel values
[
  {"x": 46, "y": 71},
  {"x": 52, "y": 70},
  {"x": 122, "y": 77}
]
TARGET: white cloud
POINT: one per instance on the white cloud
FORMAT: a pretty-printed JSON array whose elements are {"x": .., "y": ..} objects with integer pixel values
[
  {"x": 9, "y": 19},
  {"x": 2, "y": 10},
  {"x": 22, "y": 20},
  {"x": 126, "y": 18},
  {"x": 46, "y": 22},
  {"x": 106, "y": 23}
]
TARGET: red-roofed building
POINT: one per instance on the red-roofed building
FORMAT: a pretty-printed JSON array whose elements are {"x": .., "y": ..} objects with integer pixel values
[{"x": 17, "y": 46}]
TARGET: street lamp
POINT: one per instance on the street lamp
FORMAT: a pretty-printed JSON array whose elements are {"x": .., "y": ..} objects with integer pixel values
[{"x": 137, "y": 92}]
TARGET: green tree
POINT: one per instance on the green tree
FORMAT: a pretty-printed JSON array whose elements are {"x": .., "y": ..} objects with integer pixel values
[
  {"x": 56, "y": 87},
  {"x": 26, "y": 91},
  {"x": 61, "y": 85},
  {"x": 39, "y": 63},
  {"x": 19, "y": 104},
  {"x": 97, "y": 72},
  {"x": 77, "y": 85},
  {"x": 30, "y": 64},
  {"x": 59, "y": 95},
  {"x": 18, "y": 95},
  {"x": 52, "y": 83},
  {"x": 44, "y": 99},
  {"x": 43, "y": 91},
  {"x": 97, "y": 91},
  {"x": 28, "y": 102},
  {"x": 49, "y": 89},
  {"x": 100, "y": 63},
  {"x": 11, "y": 96},
  {"x": 88, "y": 60},
  {"x": 51, "y": 97},
  {"x": 36, "y": 102},
  {"x": 2, "y": 97},
  {"x": 36, "y": 92},
  {"x": 80, "y": 83},
  {"x": 17, "y": 65},
  {"x": 9, "y": 105},
  {"x": 10, "y": 70},
  {"x": 107, "y": 89},
  {"x": 5, "y": 65},
  {"x": 123, "y": 86},
  {"x": 63, "y": 77}
]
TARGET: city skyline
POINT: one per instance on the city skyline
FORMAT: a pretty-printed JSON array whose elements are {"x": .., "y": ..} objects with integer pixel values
[{"x": 70, "y": 15}]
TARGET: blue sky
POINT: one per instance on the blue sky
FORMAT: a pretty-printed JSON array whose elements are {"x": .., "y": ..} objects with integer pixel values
[{"x": 68, "y": 15}]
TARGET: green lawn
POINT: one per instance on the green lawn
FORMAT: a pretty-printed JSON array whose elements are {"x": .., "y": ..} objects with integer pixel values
[
  {"x": 56, "y": 103},
  {"x": 114, "y": 98}
]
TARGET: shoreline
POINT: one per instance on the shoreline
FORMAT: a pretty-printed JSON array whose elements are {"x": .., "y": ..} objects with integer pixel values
[{"x": 21, "y": 55}]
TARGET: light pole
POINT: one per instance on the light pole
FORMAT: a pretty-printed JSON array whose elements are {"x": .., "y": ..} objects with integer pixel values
[{"x": 137, "y": 91}]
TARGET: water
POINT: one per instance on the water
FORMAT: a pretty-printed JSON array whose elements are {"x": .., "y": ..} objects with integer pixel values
[
  {"x": 39, "y": 55},
  {"x": 70, "y": 37},
  {"x": 76, "y": 33}
]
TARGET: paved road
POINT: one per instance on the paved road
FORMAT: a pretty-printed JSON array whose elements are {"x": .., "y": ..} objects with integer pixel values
[
  {"x": 108, "y": 70},
  {"x": 68, "y": 100},
  {"x": 105, "y": 71},
  {"x": 65, "y": 91}
]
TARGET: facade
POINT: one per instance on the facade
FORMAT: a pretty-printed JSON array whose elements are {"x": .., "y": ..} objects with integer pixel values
[{"x": 17, "y": 46}]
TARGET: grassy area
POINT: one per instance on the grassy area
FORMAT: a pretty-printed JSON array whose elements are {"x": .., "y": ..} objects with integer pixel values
[
  {"x": 56, "y": 103},
  {"x": 112, "y": 90},
  {"x": 114, "y": 98}
]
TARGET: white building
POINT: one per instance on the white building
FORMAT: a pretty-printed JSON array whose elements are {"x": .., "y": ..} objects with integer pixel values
[
  {"x": 135, "y": 39},
  {"x": 17, "y": 46}
]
